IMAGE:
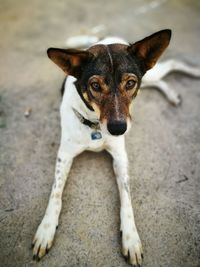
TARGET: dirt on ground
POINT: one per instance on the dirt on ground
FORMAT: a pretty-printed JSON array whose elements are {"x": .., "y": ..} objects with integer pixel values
[{"x": 163, "y": 145}]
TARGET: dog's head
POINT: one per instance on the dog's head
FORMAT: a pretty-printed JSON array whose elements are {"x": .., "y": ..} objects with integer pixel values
[{"x": 109, "y": 76}]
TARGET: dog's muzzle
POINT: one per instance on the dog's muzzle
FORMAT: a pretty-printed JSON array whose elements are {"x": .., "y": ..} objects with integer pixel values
[{"x": 117, "y": 127}]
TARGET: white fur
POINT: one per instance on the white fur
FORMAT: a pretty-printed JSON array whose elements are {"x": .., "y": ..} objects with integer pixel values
[{"x": 75, "y": 138}]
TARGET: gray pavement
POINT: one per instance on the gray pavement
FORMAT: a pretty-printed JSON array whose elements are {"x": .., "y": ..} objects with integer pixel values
[{"x": 163, "y": 145}]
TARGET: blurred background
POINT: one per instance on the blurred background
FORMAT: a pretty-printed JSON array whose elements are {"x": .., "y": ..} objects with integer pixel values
[{"x": 163, "y": 145}]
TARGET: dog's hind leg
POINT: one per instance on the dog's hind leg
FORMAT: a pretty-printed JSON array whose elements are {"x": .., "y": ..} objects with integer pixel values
[
  {"x": 44, "y": 236},
  {"x": 162, "y": 69},
  {"x": 131, "y": 244},
  {"x": 153, "y": 78},
  {"x": 169, "y": 93}
]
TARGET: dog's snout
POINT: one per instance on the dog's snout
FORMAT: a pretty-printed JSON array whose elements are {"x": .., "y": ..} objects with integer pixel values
[{"x": 117, "y": 127}]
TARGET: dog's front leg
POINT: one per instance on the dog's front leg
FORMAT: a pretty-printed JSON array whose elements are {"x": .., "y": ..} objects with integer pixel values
[
  {"x": 44, "y": 236},
  {"x": 131, "y": 244}
]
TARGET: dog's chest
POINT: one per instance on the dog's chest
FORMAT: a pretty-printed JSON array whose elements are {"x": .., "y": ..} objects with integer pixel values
[
  {"x": 85, "y": 136},
  {"x": 80, "y": 134}
]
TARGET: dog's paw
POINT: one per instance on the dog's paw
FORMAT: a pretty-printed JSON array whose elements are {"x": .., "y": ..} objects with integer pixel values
[
  {"x": 132, "y": 248},
  {"x": 43, "y": 239},
  {"x": 175, "y": 99}
]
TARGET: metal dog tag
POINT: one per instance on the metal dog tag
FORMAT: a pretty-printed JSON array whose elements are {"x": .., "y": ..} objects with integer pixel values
[{"x": 96, "y": 135}]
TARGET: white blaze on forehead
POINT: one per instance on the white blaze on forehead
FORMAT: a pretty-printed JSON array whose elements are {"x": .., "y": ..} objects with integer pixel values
[
  {"x": 110, "y": 57},
  {"x": 118, "y": 114}
]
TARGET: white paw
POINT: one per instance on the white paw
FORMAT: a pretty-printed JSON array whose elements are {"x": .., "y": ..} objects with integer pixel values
[
  {"x": 132, "y": 247},
  {"x": 175, "y": 99},
  {"x": 43, "y": 239}
]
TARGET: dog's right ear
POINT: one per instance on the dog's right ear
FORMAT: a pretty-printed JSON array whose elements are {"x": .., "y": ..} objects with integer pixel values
[
  {"x": 69, "y": 60},
  {"x": 149, "y": 49}
]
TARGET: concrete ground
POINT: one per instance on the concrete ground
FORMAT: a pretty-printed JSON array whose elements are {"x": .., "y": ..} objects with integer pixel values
[{"x": 163, "y": 145}]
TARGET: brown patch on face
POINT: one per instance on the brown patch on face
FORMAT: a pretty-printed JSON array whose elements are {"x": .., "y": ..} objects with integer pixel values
[
  {"x": 113, "y": 105},
  {"x": 129, "y": 85},
  {"x": 85, "y": 95},
  {"x": 96, "y": 109},
  {"x": 98, "y": 85}
]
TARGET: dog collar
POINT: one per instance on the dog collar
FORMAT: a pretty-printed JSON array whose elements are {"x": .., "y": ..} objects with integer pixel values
[
  {"x": 92, "y": 125},
  {"x": 96, "y": 134}
]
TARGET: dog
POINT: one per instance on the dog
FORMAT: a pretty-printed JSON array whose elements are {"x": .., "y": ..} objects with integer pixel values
[{"x": 101, "y": 85}]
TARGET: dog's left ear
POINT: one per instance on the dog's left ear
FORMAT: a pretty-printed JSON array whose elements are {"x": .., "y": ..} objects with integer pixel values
[
  {"x": 151, "y": 48},
  {"x": 69, "y": 60}
]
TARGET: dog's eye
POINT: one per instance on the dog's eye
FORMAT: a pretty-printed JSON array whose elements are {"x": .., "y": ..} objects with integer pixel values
[
  {"x": 96, "y": 86},
  {"x": 130, "y": 84}
]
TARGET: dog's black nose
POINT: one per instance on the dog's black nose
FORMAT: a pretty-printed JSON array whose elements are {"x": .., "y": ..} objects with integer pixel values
[{"x": 117, "y": 127}]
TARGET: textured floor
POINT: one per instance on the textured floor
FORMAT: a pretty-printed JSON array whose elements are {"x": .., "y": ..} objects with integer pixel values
[{"x": 163, "y": 145}]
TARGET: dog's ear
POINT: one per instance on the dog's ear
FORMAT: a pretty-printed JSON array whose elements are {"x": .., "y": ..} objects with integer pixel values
[
  {"x": 151, "y": 48},
  {"x": 69, "y": 60}
]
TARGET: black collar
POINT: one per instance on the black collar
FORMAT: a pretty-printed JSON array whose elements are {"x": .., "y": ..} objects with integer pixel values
[{"x": 92, "y": 125}]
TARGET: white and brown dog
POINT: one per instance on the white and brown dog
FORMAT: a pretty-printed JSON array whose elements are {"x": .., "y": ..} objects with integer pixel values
[{"x": 99, "y": 90}]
